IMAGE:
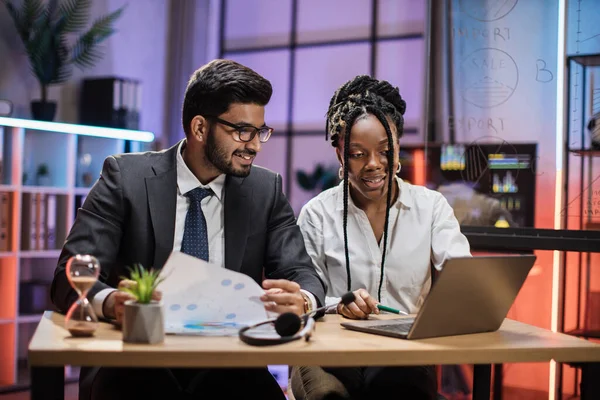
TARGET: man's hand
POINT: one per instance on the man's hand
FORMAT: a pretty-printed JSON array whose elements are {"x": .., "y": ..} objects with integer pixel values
[
  {"x": 282, "y": 296},
  {"x": 361, "y": 307},
  {"x": 114, "y": 304}
]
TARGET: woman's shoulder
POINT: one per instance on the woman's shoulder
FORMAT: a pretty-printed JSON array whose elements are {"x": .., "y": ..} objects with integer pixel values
[
  {"x": 323, "y": 203},
  {"x": 418, "y": 192}
]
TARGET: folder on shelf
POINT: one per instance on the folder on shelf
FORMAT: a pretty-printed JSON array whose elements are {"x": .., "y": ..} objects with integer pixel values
[
  {"x": 110, "y": 101},
  {"x": 34, "y": 221},
  {"x": 29, "y": 221},
  {"x": 5, "y": 215},
  {"x": 2, "y": 158},
  {"x": 40, "y": 226},
  {"x": 51, "y": 221}
]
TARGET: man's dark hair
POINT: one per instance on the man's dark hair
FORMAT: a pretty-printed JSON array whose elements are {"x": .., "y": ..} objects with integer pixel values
[
  {"x": 215, "y": 86},
  {"x": 356, "y": 98}
]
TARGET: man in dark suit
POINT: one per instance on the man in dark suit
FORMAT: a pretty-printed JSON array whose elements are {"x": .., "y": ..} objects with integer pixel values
[{"x": 202, "y": 197}]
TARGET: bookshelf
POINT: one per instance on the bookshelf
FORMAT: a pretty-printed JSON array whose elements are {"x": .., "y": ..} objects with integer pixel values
[{"x": 36, "y": 214}]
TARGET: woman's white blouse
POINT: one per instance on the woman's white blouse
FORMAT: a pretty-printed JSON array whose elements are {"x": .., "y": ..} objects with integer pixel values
[{"x": 422, "y": 230}]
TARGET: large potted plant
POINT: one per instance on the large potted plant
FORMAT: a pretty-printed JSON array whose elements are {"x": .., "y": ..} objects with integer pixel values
[
  {"x": 45, "y": 28},
  {"x": 143, "y": 321}
]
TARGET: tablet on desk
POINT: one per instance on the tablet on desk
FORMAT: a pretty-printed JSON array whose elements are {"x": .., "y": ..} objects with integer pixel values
[{"x": 471, "y": 295}]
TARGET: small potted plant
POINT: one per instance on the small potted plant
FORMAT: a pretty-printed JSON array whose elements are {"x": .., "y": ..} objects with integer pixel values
[
  {"x": 143, "y": 321},
  {"x": 43, "y": 175}
]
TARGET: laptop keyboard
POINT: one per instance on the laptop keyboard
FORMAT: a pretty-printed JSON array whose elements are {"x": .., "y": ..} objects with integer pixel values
[{"x": 402, "y": 328}]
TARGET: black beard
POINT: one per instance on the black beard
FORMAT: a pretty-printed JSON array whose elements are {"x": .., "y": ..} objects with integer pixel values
[{"x": 218, "y": 157}]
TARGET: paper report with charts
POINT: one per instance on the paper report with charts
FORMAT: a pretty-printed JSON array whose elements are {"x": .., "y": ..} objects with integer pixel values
[{"x": 204, "y": 299}]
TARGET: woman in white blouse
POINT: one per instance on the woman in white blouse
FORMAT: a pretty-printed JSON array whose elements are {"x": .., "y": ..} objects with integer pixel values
[{"x": 374, "y": 235}]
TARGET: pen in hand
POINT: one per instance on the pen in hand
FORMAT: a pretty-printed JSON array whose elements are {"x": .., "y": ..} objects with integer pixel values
[{"x": 390, "y": 309}]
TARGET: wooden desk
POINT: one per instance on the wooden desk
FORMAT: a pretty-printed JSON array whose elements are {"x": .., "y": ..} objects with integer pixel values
[{"x": 331, "y": 345}]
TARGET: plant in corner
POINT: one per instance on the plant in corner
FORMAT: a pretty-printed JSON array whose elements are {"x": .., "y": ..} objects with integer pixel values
[
  {"x": 45, "y": 28},
  {"x": 143, "y": 321}
]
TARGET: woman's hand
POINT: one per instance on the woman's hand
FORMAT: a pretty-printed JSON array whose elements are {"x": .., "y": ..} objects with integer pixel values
[{"x": 361, "y": 307}]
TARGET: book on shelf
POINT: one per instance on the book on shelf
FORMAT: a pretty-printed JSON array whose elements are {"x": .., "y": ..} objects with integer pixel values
[
  {"x": 5, "y": 223},
  {"x": 38, "y": 222},
  {"x": 51, "y": 222}
]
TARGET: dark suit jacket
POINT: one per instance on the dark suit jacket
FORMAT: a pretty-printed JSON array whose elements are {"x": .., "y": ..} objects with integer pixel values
[{"x": 129, "y": 217}]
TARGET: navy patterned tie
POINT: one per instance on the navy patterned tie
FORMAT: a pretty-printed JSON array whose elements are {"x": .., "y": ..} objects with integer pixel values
[{"x": 195, "y": 235}]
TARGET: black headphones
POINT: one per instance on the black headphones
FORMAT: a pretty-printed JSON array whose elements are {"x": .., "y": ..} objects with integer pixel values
[{"x": 288, "y": 326}]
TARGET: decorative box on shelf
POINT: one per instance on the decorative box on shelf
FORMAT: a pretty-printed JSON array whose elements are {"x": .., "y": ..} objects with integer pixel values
[{"x": 47, "y": 168}]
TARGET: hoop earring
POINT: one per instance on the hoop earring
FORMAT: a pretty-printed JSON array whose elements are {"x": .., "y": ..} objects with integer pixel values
[
  {"x": 341, "y": 173},
  {"x": 399, "y": 168}
]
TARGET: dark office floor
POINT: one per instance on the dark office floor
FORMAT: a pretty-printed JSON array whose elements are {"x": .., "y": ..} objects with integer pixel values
[{"x": 509, "y": 394}]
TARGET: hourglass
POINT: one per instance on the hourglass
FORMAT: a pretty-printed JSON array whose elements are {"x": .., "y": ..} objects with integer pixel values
[{"x": 82, "y": 272}]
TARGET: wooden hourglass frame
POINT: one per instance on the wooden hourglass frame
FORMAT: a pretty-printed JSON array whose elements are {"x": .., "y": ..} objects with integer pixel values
[{"x": 82, "y": 272}]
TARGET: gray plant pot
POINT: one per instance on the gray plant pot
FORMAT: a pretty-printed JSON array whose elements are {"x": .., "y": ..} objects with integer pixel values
[
  {"x": 143, "y": 323},
  {"x": 44, "y": 180}
]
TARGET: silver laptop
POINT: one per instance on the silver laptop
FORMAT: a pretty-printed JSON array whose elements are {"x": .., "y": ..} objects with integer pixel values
[{"x": 471, "y": 295}]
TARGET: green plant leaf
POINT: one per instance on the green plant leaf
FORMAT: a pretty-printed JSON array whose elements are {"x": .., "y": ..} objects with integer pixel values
[
  {"x": 42, "y": 170},
  {"x": 32, "y": 11},
  {"x": 146, "y": 282},
  {"x": 24, "y": 20},
  {"x": 130, "y": 291},
  {"x": 304, "y": 180},
  {"x": 49, "y": 16},
  {"x": 103, "y": 26},
  {"x": 319, "y": 171},
  {"x": 329, "y": 181},
  {"x": 75, "y": 14},
  {"x": 85, "y": 52}
]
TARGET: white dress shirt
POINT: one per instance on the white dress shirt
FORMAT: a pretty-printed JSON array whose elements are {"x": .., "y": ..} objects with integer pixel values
[
  {"x": 422, "y": 230},
  {"x": 212, "y": 208}
]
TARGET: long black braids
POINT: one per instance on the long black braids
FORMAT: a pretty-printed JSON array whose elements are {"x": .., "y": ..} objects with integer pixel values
[
  {"x": 348, "y": 121},
  {"x": 360, "y": 96},
  {"x": 391, "y": 174}
]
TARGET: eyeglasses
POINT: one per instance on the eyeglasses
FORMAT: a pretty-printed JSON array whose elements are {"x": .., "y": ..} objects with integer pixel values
[{"x": 245, "y": 133}]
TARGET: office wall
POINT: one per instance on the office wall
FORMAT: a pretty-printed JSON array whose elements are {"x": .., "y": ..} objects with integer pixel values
[
  {"x": 504, "y": 57},
  {"x": 137, "y": 50},
  {"x": 332, "y": 45}
]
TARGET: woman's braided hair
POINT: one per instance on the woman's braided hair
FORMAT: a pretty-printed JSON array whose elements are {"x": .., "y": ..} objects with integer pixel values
[{"x": 356, "y": 98}]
